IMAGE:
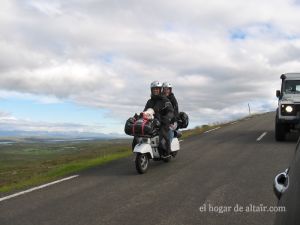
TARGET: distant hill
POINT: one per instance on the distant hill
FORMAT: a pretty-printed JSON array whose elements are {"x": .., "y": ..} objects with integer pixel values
[{"x": 58, "y": 135}]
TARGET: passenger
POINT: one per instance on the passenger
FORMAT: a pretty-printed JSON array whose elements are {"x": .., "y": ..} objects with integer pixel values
[
  {"x": 167, "y": 91},
  {"x": 164, "y": 112}
]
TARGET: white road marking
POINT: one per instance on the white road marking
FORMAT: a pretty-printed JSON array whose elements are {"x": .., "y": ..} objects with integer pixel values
[
  {"x": 212, "y": 129},
  {"x": 261, "y": 136},
  {"x": 234, "y": 122},
  {"x": 247, "y": 119},
  {"x": 37, "y": 188},
  {"x": 180, "y": 140}
]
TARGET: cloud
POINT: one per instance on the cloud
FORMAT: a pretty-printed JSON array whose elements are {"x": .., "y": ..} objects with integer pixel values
[
  {"x": 6, "y": 116},
  {"x": 9, "y": 123},
  {"x": 104, "y": 54}
]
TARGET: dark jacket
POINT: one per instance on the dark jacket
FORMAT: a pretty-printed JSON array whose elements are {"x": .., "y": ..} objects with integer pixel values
[
  {"x": 174, "y": 102},
  {"x": 162, "y": 107}
]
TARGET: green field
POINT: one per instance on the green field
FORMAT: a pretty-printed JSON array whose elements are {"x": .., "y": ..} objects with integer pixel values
[{"x": 26, "y": 164}]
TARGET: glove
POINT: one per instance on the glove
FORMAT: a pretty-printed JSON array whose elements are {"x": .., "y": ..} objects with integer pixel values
[
  {"x": 136, "y": 116},
  {"x": 156, "y": 123},
  {"x": 173, "y": 126}
]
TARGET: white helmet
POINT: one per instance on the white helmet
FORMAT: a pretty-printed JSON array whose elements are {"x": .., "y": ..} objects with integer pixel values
[
  {"x": 155, "y": 84},
  {"x": 166, "y": 85}
]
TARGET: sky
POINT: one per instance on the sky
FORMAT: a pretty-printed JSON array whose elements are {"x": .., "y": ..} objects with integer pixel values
[{"x": 87, "y": 66}]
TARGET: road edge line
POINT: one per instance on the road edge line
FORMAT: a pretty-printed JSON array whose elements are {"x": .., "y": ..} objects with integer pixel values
[
  {"x": 37, "y": 188},
  {"x": 212, "y": 130}
]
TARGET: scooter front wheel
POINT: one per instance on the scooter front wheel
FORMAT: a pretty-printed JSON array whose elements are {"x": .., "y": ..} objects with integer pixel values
[
  {"x": 141, "y": 163},
  {"x": 174, "y": 154}
]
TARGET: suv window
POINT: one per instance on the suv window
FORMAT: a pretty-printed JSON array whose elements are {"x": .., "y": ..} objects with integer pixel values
[{"x": 291, "y": 86}]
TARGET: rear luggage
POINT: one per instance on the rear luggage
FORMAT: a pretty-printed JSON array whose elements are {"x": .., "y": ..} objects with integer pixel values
[
  {"x": 183, "y": 120},
  {"x": 136, "y": 126}
]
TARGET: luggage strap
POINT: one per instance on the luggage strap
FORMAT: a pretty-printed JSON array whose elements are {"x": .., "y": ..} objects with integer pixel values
[
  {"x": 133, "y": 127},
  {"x": 143, "y": 125}
]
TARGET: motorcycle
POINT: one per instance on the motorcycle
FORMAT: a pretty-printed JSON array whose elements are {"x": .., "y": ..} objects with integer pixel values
[
  {"x": 147, "y": 148},
  {"x": 146, "y": 144}
]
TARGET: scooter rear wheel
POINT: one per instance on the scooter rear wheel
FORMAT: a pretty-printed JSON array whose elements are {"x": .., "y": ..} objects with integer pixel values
[
  {"x": 141, "y": 163},
  {"x": 166, "y": 160}
]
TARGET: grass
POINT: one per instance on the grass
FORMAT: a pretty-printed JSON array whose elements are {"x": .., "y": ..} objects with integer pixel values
[
  {"x": 28, "y": 164},
  {"x": 62, "y": 170}
]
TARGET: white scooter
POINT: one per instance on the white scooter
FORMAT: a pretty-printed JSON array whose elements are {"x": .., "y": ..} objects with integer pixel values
[{"x": 147, "y": 148}]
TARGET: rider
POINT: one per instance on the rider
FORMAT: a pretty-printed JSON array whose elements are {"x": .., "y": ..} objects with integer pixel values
[
  {"x": 167, "y": 91},
  {"x": 163, "y": 111}
]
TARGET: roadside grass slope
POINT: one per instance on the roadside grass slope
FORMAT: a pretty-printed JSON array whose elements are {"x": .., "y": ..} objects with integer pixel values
[{"x": 23, "y": 165}]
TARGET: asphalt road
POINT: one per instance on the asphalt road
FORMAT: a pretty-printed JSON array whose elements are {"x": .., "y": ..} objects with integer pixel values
[{"x": 227, "y": 167}]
